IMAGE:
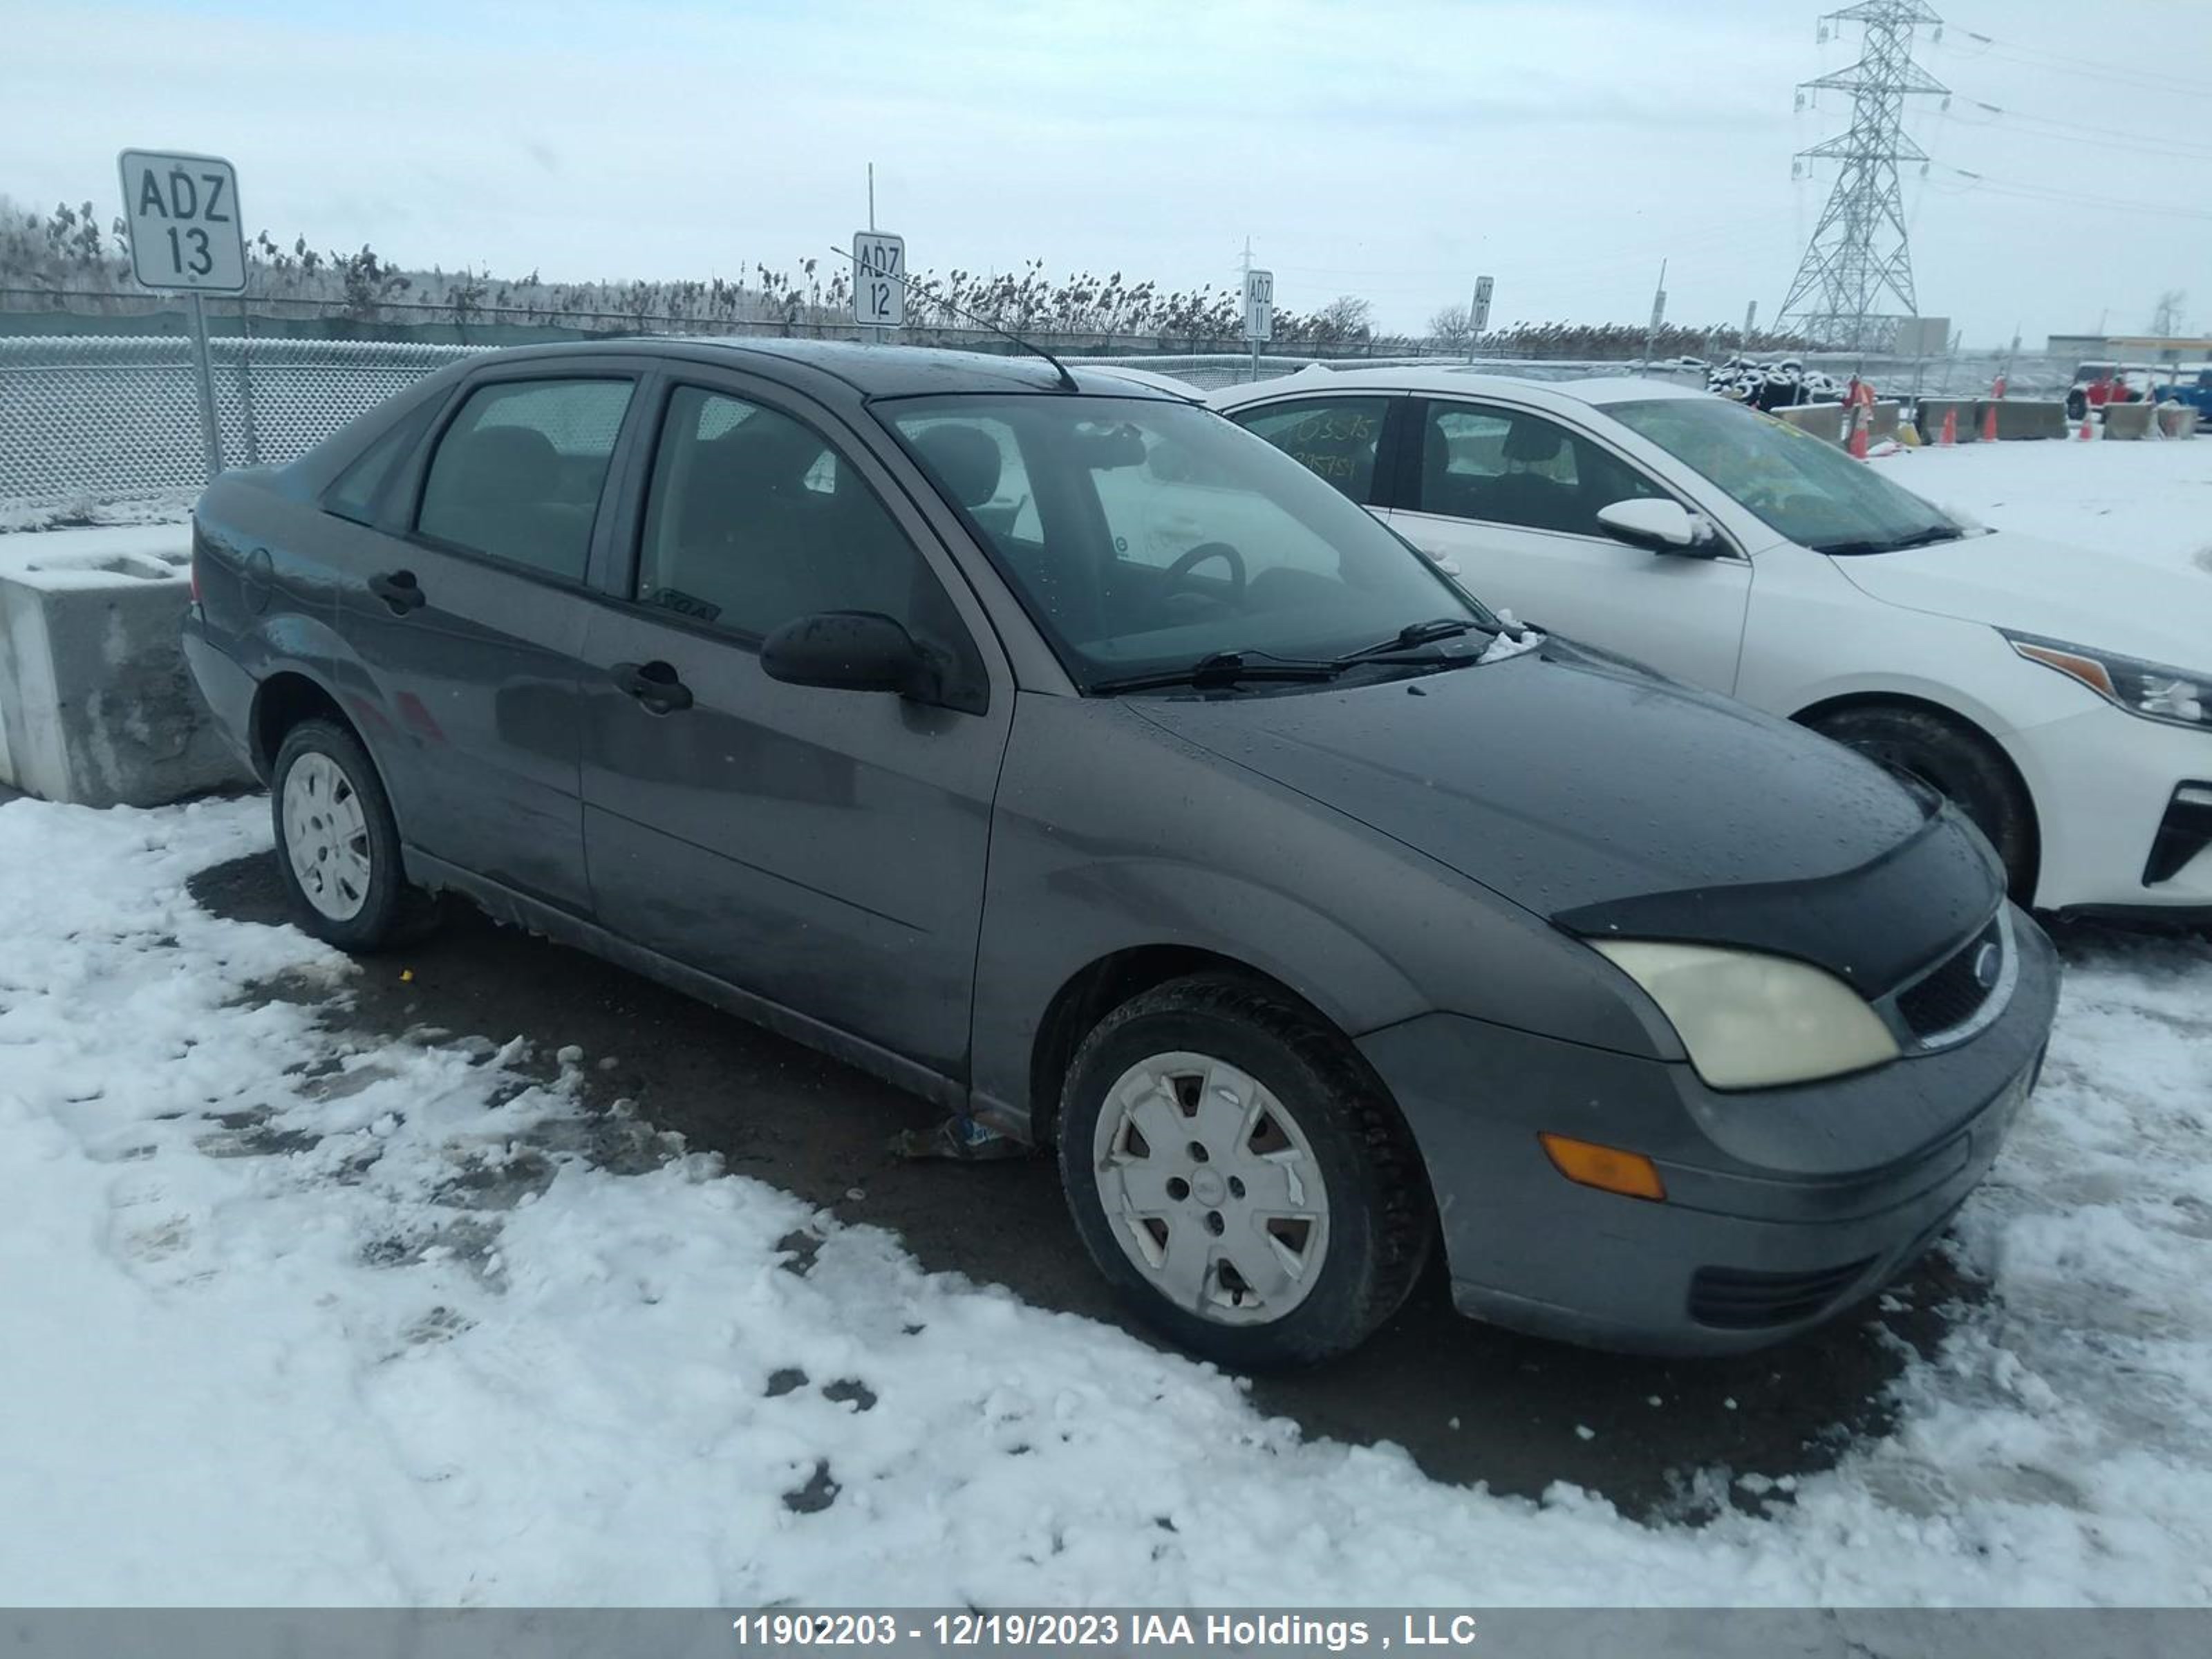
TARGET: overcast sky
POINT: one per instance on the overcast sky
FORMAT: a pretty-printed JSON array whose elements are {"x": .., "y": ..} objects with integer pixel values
[{"x": 1388, "y": 147}]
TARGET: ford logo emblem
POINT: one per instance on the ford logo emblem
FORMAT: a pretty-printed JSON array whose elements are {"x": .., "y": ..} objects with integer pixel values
[{"x": 1986, "y": 967}]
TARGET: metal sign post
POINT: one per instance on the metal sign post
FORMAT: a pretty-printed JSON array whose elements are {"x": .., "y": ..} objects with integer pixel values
[
  {"x": 1478, "y": 316},
  {"x": 1258, "y": 312},
  {"x": 187, "y": 236},
  {"x": 204, "y": 372}
]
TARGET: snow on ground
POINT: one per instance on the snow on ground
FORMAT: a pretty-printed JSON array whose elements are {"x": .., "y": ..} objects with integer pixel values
[
  {"x": 300, "y": 1318},
  {"x": 2152, "y": 499},
  {"x": 291, "y": 1316},
  {"x": 170, "y": 506}
]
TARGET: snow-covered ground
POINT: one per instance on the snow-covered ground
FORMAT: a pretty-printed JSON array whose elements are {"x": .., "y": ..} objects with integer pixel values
[
  {"x": 291, "y": 1316},
  {"x": 2150, "y": 499}
]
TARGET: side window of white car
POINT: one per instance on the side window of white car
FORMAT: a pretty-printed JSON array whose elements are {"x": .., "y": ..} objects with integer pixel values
[
  {"x": 1332, "y": 437},
  {"x": 1507, "y": 466}
]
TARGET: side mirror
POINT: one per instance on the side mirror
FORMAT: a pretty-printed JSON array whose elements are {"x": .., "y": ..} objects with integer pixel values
[
  {"x": 1659, "y": 526},
  {"x": 850, "y": 650}
]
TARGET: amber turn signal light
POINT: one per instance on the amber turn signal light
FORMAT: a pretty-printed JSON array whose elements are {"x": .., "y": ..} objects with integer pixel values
[{"x": 1605, "y": 1167}]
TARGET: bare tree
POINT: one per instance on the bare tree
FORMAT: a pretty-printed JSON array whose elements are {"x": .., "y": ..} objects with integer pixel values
[
  {"x": 1451, "y": 329},
  {"x": 1345, "y": 318},
  {"x": 2165, "y": 317}
]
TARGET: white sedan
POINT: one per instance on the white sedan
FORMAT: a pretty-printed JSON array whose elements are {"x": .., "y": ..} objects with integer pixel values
[{"x": 2063, "y": 698}]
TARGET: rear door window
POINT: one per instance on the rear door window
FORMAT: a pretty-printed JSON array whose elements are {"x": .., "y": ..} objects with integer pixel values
[
  {"x": 1332, "y": 437},
  {"x": 517, "y": 474}
]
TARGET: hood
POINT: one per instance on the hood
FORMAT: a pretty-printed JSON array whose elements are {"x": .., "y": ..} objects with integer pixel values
[
  {"x": 2109, "y": 601},
  {"x": 1611, "y": 802}
]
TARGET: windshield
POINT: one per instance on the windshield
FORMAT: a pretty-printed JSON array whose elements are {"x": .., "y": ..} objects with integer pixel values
[
  {"x": 1146, "y": 536},
  {"x": 1797, "y": 484}
]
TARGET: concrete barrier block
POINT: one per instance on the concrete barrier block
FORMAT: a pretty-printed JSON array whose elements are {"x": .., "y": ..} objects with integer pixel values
[
  {"x": 2177, "y": 421},
  {"x": 2021, "y": 418},
  {"x": 96, "y": 705},
  {"x": 1821, "y": 420},
  {"x": 1882, "y": 421},
  {"x": 1967, "y": 412},
  {"x": 2128, "y": 420}
]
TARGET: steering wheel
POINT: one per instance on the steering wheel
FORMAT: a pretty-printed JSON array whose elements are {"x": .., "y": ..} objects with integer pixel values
[{"x": 1180, "y": 570}]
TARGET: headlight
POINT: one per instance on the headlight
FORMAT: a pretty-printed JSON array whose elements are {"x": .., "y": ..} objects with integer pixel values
[
  {"x": 2156, "y": 693},
  {"x": 1752, "y": 1021}
]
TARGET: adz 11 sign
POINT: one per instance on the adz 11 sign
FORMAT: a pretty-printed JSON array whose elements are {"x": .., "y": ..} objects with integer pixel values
[
  {"x": 185, "y": 226},
  {"x": 878, "y": 279},
  {"x": 1259, "y": 306}
]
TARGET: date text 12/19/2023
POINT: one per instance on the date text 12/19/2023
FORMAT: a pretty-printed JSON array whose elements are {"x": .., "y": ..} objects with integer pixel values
[{"x": 1044, "y": 1628}]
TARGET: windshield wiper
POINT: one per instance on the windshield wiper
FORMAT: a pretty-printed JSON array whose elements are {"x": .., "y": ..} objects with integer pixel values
[
  {"x": 1415, "y": 633},
  {"x": 1219, "y": 671},
  {"x": 1941, "y": 533},
  {"x": 1224, "y": 669}
]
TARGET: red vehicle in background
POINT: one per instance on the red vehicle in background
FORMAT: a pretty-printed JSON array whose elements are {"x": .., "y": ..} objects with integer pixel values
[{"x": 2096, "y": 385}]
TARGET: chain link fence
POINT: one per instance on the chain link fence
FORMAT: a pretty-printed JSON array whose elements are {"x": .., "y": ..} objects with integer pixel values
[{"x": 107, "y": 418}]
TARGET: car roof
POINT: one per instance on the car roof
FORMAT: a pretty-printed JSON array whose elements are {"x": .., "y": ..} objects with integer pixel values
[
  {"x": 872, "y": 371},
  {"x": 1452, "y": 379}
]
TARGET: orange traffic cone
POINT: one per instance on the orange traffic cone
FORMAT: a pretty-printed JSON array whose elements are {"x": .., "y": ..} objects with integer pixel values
[
  {"x": 1858, "y": 444},
  {"x": 1950, "y": 434},
  {"x": 1989, "y": 422},
  {"x": 2085, "y": 435}
]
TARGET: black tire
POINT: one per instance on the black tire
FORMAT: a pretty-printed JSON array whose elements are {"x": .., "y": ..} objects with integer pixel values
[
  {"x": 2077, "y": 404},
  {"x": 392, "y": 912},
  {"x": 1380, "y": 1225},
  {"x": 1955, "y": 760}
]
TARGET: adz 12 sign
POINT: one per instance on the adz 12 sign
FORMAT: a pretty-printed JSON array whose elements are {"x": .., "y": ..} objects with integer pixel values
[
  {"x": 878, "y": 279},
  {"x": 185, "y": 232}
]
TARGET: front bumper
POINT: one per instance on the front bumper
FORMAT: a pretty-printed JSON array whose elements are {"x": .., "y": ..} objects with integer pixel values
[
  {"x": 1783, "y": 1207},
  {"x": 2104, "y": 782}
]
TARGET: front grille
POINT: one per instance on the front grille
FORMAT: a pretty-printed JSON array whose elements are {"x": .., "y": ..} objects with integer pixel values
[
  {"x": 1954, "y": 992},
  {"x": 1740, "y": 1299}
]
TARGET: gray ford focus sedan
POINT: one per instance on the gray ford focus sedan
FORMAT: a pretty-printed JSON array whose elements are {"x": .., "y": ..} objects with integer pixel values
[{"x": 1043, "y": 743}]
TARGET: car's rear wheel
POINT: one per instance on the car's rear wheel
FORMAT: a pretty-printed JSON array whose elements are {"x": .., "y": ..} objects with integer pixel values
[
  {"x": 1954, "y": 762},
  {"x": 337, "y": 846},
  {"x": 1240, "y": 1176}
]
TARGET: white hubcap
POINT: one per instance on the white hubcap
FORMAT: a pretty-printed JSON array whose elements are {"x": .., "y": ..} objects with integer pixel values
[
  {"x": 1211, "y": 1187},
  {"x": 326, "y": 837}
]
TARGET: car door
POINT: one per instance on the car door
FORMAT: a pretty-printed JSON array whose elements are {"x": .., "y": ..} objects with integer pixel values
[
  {"x": 820, "y": 850},
  {"x": 465, "y": 610},
  {"x": 1511, "y": 497}
]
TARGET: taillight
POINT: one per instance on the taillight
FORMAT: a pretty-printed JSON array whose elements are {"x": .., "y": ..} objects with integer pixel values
[{"x": 195, "y": 564}]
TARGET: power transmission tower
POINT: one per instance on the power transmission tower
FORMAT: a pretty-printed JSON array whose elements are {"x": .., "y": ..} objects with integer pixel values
[{"x": 1860, "y": 254}]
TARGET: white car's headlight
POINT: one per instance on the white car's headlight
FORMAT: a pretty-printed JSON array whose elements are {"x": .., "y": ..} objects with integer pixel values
[
  {"x": 2156, "y": 693},
  {"x": 1752, "y": 1021}
]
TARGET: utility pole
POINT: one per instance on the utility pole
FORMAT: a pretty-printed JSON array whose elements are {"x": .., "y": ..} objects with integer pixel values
[
  {"x": 1243, "y": 288},
  {"x": 1658, "y": 315},
  {"x": 1860, "y": 250}
]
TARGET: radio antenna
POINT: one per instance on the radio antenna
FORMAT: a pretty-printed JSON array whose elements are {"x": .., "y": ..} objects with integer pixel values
[{"x": 1066, "y": 380}]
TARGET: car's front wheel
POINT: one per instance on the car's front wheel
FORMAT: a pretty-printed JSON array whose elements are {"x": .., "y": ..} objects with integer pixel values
[
  {"x": 1240, "y": 1176},
  {"x": 1954, "y": 762},
  {"x": 337, "y": 846}
]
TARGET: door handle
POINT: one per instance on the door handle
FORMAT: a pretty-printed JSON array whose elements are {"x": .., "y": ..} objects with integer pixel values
[
  {"x": 652, "y": 683},
  {"x": 398, "y": 590}
]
